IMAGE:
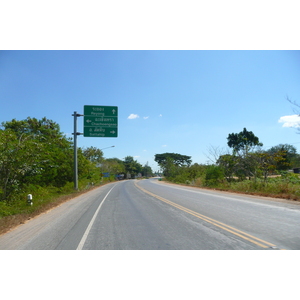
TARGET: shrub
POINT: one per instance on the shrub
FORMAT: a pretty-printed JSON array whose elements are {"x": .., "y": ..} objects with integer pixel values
[
  {"x": 214, "y": 175},
  {"x": 200, "y": 181}
]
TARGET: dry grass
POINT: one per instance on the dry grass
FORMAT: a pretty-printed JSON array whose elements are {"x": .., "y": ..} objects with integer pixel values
[{"x": 287, "y": 192}]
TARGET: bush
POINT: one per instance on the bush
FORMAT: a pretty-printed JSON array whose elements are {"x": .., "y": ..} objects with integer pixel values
[
  {"x": 4, "y": 209},
  {"x": 214, "y": 175},
  {"x": 200, "y": 181},
  {"x": 187, "y": 175}
]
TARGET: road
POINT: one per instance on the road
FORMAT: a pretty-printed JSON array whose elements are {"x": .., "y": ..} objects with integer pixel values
[{"x": 150, "y": 214}]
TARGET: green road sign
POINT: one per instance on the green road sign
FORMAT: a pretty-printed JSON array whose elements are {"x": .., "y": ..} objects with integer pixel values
[
  {"x": 100, "y": 132},
  {"x": 100, "y": 111},
  {"x": 100, "y": 121}
]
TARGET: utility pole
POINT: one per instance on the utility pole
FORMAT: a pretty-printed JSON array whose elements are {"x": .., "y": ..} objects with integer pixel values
[{"x": 75, "y": 133}]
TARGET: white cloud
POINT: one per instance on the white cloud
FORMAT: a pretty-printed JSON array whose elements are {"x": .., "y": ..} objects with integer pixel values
[
  {"x": 290, "y": 121},
  {"x": 160, "y": 115},
  {"x": 133, "y": 116},
  {"x": 164, "y": 145},
  {"x": 146, "y": 118}
]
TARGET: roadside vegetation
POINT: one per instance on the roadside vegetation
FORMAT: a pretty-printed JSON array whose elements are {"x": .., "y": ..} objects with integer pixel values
[
  {"x": 37, "y": 158},
  {"x": 245, "y": 168}
]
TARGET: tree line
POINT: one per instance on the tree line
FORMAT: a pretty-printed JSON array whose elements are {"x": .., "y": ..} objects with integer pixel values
[
  {"x": 35, "y": 152},
  {"x": 246, "y": 160}
]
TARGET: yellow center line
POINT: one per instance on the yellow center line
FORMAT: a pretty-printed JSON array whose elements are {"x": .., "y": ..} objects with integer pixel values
[{"x": 244, "y": 235}]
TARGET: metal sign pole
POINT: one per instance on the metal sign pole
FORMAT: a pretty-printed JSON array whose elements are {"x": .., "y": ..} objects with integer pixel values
[
  {"x": 99, "y": 121},
  {"x": 75, "y": 133}
]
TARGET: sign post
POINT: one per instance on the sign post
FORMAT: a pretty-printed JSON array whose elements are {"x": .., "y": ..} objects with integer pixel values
[
  {"x": 99, "y": 121},
  {"x": 75, "y": 133}
]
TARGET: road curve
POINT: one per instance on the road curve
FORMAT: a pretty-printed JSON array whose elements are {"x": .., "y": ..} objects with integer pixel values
[{"x": 152, "y": 215}]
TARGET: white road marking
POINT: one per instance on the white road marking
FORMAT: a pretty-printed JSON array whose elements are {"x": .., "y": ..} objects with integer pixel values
[{"x": 85, "y": 235}]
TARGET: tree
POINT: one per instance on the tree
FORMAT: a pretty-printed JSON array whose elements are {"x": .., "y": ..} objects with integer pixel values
[
  {"x": 52, "y": 153},
  {"x": 214, "y": 175},
  {"x": 289, "y": 155},
  {"x": 18, "y": 161},
  {"x": 177, "y": 159},
  {"x": 229, "y": 164},
  {"x": 41, "y": 130},
  {"x": 113, "y": 165},
  {"x": 86, "y": 168},
  {"x": 93, "y": 154},
  {"x": 132, "y": 167},
  {"x": 147, "y": 171},
  {"x": 243, "y": 141},
  {"x": 171, "y": 162},
  {"x": 267, "y": 162}
]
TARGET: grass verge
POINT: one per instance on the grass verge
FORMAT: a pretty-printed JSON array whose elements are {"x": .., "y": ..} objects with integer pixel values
[
  {"x": 18, "y": 211},
  {"x": 285, "y": 187}
]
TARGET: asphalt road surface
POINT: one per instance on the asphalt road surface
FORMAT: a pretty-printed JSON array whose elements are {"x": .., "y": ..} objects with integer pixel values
[{"x": 150, "y": 214}]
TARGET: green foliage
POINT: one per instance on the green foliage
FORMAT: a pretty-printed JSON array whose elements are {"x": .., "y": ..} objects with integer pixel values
[
  {"x": 132, "y": 167},
  {"x": 243, "y": 141},
  {"x": 147, "y": 171},
  {"x": 35, "y": 152},
  {"x": 93, "y": 154},
  {"x": 41, "y": 130},
  {"x": 286, "y": 187},
  {"x": 113, "y": 166},
  {"x": 187, "y": 175},
  {"x": 43, "y": 197},
  {"x": 289, "y": 156},
  {"x": 178, "y": 159},
  {"x": 5, "y": 209},
  {"x": 36, "y": 158},
  {"x": 288, "y": 177},
  {"x": 170, "y": 162},
  {"x": 214, "y": 175},
  {"x": 228, "y": 163},
  {"x": 245, "y": 171},
  {"x": 18, "y": 160}
]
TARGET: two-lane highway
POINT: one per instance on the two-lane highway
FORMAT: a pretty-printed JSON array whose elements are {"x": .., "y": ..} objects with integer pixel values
[
  {"x": 149, "y": 214},
  {"x": 264, "y": 222}
]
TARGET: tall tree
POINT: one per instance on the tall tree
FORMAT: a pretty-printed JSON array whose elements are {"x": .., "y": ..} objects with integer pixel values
[
  {"x": 18, "y": 161},
  {"x": 132, "y": 167},
  {"x": 53, "y": 163},
  {"x": 177, "y": 159},
  {"x": 93, "y": 154},
  {"x": 146, "y": 170},
  {"x": 228, "y": 163},
  {"x": 289, "y": 155},
  {"x": 171, "y": 162},
  {"x": 42, "y": 130},
  {"x": 243, "y": 141},
  {"x": 113, "y": 165}
]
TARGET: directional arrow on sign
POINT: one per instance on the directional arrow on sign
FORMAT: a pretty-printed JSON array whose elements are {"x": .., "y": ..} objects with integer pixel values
[{"x": 100, "y": 121}]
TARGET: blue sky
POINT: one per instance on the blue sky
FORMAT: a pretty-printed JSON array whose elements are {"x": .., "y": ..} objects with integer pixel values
[{"x": 185, "y": 102}]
